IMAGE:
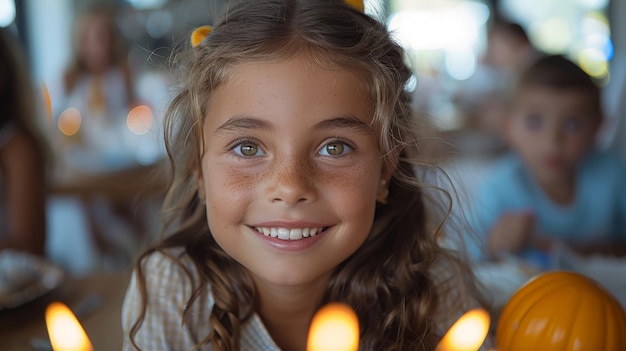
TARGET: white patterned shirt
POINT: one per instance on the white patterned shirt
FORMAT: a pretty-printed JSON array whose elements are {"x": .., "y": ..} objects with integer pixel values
[{"x": 169, "y": 289}]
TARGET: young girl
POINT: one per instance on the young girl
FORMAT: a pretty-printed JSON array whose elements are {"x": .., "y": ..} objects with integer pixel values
[{"x": 292, "y": 138}]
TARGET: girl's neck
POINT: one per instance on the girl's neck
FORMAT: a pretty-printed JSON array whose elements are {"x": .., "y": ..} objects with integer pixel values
[{"x": 287, "y": 311}]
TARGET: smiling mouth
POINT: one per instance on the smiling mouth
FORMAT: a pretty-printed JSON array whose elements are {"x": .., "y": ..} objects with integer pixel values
[{"x": 290, "y": 234}]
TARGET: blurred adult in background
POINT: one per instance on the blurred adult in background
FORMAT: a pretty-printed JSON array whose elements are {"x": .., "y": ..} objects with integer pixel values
[
  {"x": 92, "y": 137},
  {"x": 98, "y": 85},
  {"x": 22, "y": 156},
  {"x": 556, "y": 186},
  {"x": 485, "y": 96}
]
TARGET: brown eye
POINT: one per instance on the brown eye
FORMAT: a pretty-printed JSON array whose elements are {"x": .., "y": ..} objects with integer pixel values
[
  {"x": 334, "y": 149},
  {"x": 248, "y": 149}
]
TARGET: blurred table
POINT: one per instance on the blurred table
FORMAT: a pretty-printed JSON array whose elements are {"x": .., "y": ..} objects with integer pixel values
[
  {"x": 116, "y": 184},
  {"x": 103, "y": 325},
  {"x": 112, "y": 209}
]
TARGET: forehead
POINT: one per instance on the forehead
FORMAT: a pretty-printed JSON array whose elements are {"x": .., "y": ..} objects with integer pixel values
[
  {"x": 552, "y": 99},
  {"x": 296, "y": 86}
]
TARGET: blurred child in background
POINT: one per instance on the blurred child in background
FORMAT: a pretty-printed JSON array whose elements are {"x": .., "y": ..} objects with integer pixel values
[
  {"x": 22, "y": 156},
  {"x": 555, "y": 185}
]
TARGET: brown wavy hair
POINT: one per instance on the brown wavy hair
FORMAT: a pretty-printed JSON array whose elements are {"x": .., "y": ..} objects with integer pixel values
[{"x": 390, "y": 280}]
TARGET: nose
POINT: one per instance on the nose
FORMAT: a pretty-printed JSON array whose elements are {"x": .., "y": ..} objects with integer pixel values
[
  {"x": 554, "y": 137},
  {"x": 292, "y": 182}
]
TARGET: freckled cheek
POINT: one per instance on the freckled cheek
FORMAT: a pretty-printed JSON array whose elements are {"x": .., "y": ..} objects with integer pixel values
[
  {"x": 357, "y": 185},
  {"x": 228, "y": 195},
  {"x": 230, "y": 185}
]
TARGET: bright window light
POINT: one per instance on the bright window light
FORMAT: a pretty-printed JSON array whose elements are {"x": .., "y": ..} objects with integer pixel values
[{"x": 7, "y": 12}]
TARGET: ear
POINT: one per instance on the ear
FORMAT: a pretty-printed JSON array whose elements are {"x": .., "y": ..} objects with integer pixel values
[
  {"x": 385, "y": 178},
  {"x": 387, "y": 171}
]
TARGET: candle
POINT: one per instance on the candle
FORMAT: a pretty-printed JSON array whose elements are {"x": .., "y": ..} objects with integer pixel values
[
  {"x": 468, "y": 332},
  {"x": 66, "y": 333},
  {"x": 335, "y": 327}
]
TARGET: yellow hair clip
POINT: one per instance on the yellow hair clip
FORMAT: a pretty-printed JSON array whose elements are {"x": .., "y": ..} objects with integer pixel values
[
  {"x": 357, "y": 4},
  {"x": 199, "y": 34}
]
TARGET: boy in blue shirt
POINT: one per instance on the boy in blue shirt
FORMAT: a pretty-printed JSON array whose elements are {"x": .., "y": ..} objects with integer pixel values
[{"x": 555, "y": 185}]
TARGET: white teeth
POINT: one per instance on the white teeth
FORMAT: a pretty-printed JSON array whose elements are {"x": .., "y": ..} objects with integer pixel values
[
  {"x": 295, "y": 234},
  {"x": 288, "y": 234},
  {"x": 283, "y": 233}
]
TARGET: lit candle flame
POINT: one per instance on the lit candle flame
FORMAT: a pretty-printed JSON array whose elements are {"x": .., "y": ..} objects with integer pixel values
[
  {"x": 66, "y": 333},
  {"x": 468, "y": 333},
  {"x": 335, "y": 327}
]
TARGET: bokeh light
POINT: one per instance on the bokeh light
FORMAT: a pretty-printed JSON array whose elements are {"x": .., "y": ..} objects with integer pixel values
[
  {"x": 66, "y": 333},
  {"x": 594, "y": 4},
  {"x": 7, "y": 12},
  {"x": 159, "y": 23},
  {"x": 69, "y": 121},
  {"x": 593, "y": 61},
  {"x": 335, "y": 327},
  {"x": 552, "y": 36},
  {"x": 468, "y": 333},
  {"x": 461, "y": 64},
  {"x": 147, "y": 4},
  {"x": 139, "y": 120}
]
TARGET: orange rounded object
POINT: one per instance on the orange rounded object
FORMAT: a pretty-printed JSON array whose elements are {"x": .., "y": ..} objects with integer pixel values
[{"x": 562, "y": 310}]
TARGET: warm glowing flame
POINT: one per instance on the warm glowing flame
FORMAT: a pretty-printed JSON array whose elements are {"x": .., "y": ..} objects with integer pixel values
[
  {"x": 65, "y": 332},
  {"x": 335, "y": 327},
  {"x": 139, "y": 120},
  {"x": 69, "y": 121},
  {"x": 468, "y": 333}
]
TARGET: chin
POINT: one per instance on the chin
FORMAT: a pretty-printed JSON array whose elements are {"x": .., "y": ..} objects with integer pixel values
[{"x": 289, "y": 276}]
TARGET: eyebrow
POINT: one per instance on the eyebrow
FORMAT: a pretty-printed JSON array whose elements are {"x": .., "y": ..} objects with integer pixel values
[
  {"x": 345, "y": 122},
  {"x": 243, "y": 122},
  {"x": 239, "y": 122}
]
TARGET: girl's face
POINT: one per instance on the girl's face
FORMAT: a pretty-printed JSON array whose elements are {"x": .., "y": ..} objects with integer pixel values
[{"x": 290, "y": 169}]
